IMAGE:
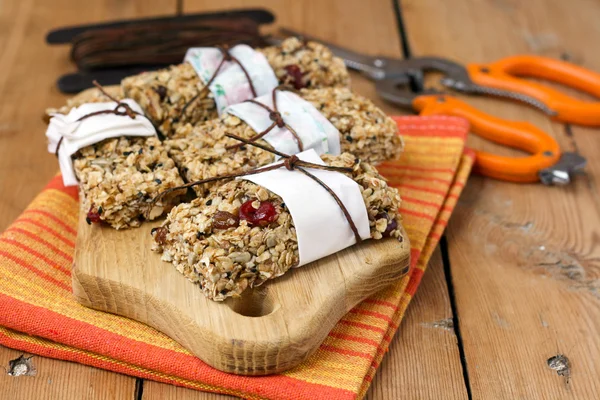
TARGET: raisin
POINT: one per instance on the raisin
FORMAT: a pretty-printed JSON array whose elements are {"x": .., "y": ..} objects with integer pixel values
[
  {"x": 264, "y": 215},
  {"x": 158, "y": 181},
  {"x": 208, "y": 202},
  {"x": 392, "y": 225},
  {"x": 295, "y": 75},
  {"x": 225, "y": 220},
  {"x": 160, "y": 235},
  {"x": 161, "y": 91},
  {"x": 349, "y": 138}
]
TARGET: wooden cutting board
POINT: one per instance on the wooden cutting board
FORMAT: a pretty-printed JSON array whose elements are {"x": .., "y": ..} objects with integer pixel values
[{"x": 270, "y": 329}]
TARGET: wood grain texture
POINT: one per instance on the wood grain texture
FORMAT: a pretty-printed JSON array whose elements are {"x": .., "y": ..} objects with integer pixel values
[
  {"x": 27, "y": 83},
  {"x": 524, "y": 258},
  {"x": 270, "y": 329},
  {"x": 423, "y": 360},
  {"x": 57, "y": 379},
  {"x": 502, "y": 358}
]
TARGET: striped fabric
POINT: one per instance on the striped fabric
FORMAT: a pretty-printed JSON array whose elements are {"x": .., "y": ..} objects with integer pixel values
[{"x": 38, "y": 314}]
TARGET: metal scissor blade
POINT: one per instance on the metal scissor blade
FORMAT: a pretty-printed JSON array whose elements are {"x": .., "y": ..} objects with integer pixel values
[
  {"x": 352, "y": 59},
  {"x": 561, "y": 172}
]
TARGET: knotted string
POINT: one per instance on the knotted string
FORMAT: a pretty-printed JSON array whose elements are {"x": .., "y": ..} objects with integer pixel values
[
  {"x": 277, "y": 119},
  {"x": 122, "y": 109},
  {"x": 226, "y": 57},
  {"x": 291, "y": 163}
]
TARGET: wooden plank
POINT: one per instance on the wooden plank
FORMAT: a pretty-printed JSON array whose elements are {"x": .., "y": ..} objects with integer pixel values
[
  {"x": 57, "y": 379},
  {"x": 423, "y": 361},
  {"x": 29, "y": 70},
  {"x": 315, "y": 17},
  {"x": 161, "y": 391},
  {"x": 523, "y": 257}
]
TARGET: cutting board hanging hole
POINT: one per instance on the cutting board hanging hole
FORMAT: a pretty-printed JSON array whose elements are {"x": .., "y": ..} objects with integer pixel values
[{"x": 256, "y": 302}]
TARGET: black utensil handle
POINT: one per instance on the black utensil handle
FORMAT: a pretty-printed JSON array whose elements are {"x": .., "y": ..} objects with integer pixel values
[{"x": 66, "y": 34}]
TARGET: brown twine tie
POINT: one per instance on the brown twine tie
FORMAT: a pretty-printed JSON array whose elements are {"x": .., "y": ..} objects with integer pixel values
[
  {"x": 277, "y": 119},
  {"x": 226, "y": 57},
  {"x": 122, "y": 109},
  {"x": 291, "y": 163}
]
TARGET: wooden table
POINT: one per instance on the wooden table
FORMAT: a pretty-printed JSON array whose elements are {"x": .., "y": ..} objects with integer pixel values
[{"x": 516, "y": 282}]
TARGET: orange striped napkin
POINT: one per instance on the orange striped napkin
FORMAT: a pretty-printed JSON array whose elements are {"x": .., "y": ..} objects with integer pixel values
[{"x": 38, "y": 314}]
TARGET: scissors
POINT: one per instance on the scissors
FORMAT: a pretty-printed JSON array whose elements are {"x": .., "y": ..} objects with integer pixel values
[{"x": 402, "y": 82}]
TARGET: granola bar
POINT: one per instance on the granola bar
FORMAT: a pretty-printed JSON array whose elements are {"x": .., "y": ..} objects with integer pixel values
[
  {"x": 164, "y": 94},
  {"x": 208, "y": 243},
  {"x": 200, "y": 151},
  {"x": 119, "y": 178}
]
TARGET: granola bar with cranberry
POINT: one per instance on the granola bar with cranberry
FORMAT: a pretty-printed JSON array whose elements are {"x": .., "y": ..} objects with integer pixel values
[
  {"x": 164, "y": 94},
  {"x": 241, "y": 234}
]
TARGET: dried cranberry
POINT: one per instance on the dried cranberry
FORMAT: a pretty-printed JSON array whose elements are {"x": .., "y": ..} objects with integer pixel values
[
  {"x": 224, "y": 220},
  {"x": 295, "y": 75},
  {"x": 392, "y": 225},
  {"x": 92, "y": 216},
  {"x": 264, "y": 215}
]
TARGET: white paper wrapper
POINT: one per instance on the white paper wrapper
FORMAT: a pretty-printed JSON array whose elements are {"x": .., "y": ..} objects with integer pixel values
[
  {"x": 231, "y": 86},
  {"x": 315, "y": 131},
  {"x": 321, "y": 227},
  {"x": 77, "y": 135}
]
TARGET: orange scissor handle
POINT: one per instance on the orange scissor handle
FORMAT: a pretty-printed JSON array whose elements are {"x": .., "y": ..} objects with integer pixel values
[
  {"x": 503, "y": 74},
  {"x": 544, "y": 150}
]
